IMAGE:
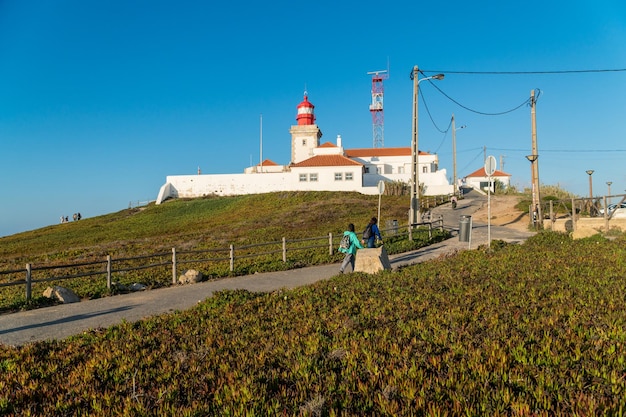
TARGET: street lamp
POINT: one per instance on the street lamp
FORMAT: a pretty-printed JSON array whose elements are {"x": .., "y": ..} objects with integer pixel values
[
  {"x": 454, "y": 129},
  {"x": 536, "y": 209},
  {"x": 609, "y": 185},
  {"x": 589, "y": 172},
  {"x": 414, "y": 209}
]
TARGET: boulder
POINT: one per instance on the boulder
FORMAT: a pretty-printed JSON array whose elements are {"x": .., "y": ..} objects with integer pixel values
[
  {"x": 137, "y": 287},
  {"x": 372, "y": 260},
  {"x": 61, "y": 294},
  {"x": 190, "y": 277}
]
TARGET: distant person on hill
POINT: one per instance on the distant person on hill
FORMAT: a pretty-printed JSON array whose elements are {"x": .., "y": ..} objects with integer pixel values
[
  {"x": 349, "y": 245},
  {"x": 370, "y": 233}
]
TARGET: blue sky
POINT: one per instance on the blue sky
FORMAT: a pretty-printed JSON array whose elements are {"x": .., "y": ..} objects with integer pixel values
[{"x": 101, "y": 100}]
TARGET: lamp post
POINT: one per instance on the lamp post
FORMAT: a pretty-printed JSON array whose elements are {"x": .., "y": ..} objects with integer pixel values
[
  {"x": 415, "y": 208},
  {"x": 454, "y": 129},
  {"x": 608, "y": 183},
  {"x": 533, "y": 159},
  {"x": 590, "y": 172}
]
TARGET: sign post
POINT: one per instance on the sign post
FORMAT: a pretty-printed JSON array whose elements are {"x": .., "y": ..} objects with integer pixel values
[
  {"x": 381, "y": 190},
  {"x": 490, "y": 168}
]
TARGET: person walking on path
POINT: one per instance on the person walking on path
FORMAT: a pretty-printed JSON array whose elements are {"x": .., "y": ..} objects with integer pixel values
[
  {"x": 370, "y": 233},
  {"x": 349, "y": 245}
]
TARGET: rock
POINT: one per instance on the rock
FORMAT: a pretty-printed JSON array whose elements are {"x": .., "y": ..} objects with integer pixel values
[
  {"x": 137, "y": 287},
  {"x": 62, "y": 294},
  {"x": 372, "y": 260},
  {"x": 119, "y": 287},
  {"x": 190, "y": 277}
]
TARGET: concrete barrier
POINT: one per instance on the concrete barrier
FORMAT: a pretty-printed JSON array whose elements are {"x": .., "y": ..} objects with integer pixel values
[{"x": 372, "y": 260}]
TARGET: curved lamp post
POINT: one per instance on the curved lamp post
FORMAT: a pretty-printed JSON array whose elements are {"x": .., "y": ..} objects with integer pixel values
[
  {"x": 415, "y": 208},
  {"x": 535, "y": 191},
  {"x": 590, "y": 172}
]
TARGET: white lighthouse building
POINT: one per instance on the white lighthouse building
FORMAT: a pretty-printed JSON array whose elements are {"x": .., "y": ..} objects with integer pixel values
[{"x": 315, "y": 166}]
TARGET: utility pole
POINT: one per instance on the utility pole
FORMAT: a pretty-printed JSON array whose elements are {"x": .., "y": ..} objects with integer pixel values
[
  {"x": 454, "y": 129},
  {"x": 535, "y": 163}
]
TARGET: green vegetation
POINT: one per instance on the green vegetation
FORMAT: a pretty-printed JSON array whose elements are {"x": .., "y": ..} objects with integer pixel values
[
  {"x": 534, "y": 329},
  {"x": 208, "y": 223}
]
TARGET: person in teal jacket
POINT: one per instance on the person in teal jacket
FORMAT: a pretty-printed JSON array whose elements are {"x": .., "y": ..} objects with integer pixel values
[{"x": 350, "y": 251}]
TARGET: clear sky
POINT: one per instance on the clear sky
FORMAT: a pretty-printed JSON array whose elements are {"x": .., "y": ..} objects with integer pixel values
[{"x": 101, "y": 100}]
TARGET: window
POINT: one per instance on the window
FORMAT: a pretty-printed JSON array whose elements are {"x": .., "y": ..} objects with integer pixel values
[
  {"x": 348, "y": 176},
  {"x": 400, "y": 170},
  {"x": 302, "y": 177},
  {"x": 313, "y": 177},
  {"x": 425, "y": 170},
  {"x": 367, "y": 170},
  {"x": 303, "y": 142},
  {"x": 338, "y": 176},
  {"x": 379, "y": 170}
]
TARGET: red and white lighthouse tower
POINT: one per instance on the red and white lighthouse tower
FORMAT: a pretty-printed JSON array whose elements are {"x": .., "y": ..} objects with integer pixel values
[
  {"x": 306, "y": 115},
  {"x": 305, "y": 136}
]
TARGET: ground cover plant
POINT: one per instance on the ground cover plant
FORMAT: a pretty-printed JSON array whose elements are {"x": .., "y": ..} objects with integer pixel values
[
  {"x": 196, "y": 224},
  {"x": 532, "y": 329}
]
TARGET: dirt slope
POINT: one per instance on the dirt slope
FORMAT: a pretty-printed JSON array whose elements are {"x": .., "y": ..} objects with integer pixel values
[{"x": 503, "y": 213}]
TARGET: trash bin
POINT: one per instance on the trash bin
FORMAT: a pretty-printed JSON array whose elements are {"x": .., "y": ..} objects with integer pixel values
[{"x": 465, "y": 228}]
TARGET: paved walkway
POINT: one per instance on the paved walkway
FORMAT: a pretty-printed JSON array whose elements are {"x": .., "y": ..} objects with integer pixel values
[{"x": 61, "y": 321}]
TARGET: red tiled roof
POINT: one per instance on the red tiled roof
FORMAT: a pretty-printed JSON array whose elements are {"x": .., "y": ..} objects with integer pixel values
[
  {"x": 326, "y": 161},
  {"x": 327, "y": 145},
  {"x": 370, "y": 152},
  {"x": 481, "y": 173},
  {"x": 267, "y": 163}
]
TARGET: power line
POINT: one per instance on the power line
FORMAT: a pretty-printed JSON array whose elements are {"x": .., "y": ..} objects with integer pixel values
[
  {"x": 527, "y": 72},
  {"x": 562, "y": 150}
]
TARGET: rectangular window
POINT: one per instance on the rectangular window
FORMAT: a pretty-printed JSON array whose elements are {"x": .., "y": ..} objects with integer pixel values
[
  {"x": 312, "y": 177},
  {"x": 379, "y": 170},
  {"x": 348, "y": 176},
  {"x": 400, "y": 170},
  {"x": 303, "y": 142},
  {"x": 302, "y": 177},
  {"x": 425, "y": 170},
  {"x": 338, "y": 176}
]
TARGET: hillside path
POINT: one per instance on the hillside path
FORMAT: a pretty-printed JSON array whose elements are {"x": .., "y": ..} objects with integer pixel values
[{"x": 65, "y": 320}]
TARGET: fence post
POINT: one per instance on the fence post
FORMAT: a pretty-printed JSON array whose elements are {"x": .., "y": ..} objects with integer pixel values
[
  {"x": 573, "y": 214},
  {"x": 330, "y": 244},
  {"x": 232, "y": 258},
  {"x": 28, "y": 282},
  {"x": 109, "y": 272},
  {"x": 284, "y": 250},
  {"x": 173, "y": 265}
]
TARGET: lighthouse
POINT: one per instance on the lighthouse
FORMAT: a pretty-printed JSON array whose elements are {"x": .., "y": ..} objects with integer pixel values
[
  {"x": 306, "y": 115},
  {"x": 306, "y": 135}
]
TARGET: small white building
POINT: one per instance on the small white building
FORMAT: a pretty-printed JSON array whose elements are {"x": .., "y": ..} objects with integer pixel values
[
  {"x": 315, "y": 167},
  {"x": 479, "y": 179}
]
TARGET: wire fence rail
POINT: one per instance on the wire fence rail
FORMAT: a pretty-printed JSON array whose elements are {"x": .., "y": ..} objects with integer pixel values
[{"x": 216, "y": 258}]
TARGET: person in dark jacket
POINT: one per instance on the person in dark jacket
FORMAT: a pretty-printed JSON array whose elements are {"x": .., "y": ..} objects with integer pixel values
[
  {"x": 351, "y": 250},
  {"x": 370, "y": 233}
]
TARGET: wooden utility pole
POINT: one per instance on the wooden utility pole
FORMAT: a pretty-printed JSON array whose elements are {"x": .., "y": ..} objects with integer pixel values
[{"x": 535, "y": 163}]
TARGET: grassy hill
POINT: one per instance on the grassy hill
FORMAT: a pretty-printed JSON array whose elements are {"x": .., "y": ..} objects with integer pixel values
[{"x": 195, "y": 224}]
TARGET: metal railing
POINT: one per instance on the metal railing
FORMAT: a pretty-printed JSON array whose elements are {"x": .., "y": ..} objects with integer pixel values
[{"x": 109, "y": 267}]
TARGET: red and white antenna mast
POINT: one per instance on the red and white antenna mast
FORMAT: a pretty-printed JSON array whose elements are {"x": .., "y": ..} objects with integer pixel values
[{"x": 376, "y": 108}]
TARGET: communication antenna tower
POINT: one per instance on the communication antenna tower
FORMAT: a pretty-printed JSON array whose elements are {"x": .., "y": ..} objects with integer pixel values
[{"x": 376, "y": 108}]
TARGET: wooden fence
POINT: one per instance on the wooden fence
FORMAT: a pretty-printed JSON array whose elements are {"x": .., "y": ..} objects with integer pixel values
[{"x": 109, "y": 266}]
